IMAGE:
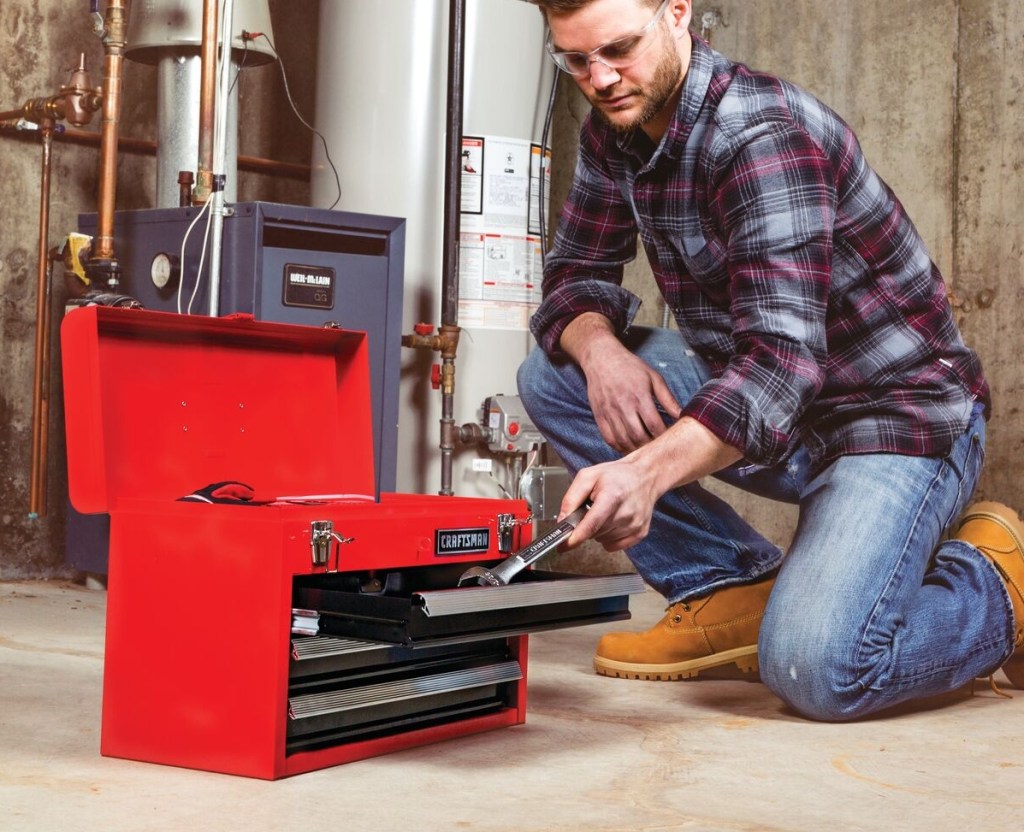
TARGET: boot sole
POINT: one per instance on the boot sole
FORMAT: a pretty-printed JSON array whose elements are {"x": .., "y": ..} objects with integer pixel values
[{"x": 745, "y": 658}]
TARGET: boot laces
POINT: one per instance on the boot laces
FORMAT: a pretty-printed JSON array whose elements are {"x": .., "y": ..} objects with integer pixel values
[{"x": 998, "y": 691}]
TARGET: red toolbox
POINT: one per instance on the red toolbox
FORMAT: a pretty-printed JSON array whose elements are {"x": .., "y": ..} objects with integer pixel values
[{"x": 309, "y": 622}]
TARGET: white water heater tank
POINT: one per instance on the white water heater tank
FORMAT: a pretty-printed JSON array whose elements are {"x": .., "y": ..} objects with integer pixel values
[{"x": 381, "y": 105}]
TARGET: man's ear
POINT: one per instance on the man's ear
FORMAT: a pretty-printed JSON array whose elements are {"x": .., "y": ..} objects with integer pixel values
[{"x": 679, "y": 15}]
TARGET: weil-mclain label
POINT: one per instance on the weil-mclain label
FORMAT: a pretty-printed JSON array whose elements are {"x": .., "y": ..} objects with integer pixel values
[
  {"x": 461, "y": 541},
  {"x": 310, "y": 286}
]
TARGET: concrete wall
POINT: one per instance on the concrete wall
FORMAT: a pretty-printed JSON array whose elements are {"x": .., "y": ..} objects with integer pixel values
[
  {"x": 41, "y": 41},
  {"x": 932, "y": 88}
]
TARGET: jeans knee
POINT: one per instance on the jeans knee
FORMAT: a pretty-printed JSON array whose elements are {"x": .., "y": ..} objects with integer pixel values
[
  {"x": 810, "y": 674},
  {"x": 529, "y": 375}
]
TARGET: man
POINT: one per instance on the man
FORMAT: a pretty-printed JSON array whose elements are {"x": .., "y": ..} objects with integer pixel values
[{"x": 817, "y": 362}]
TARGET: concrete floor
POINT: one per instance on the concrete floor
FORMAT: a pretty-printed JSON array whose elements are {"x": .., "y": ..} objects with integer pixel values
[{"x": 595, "y": 754}]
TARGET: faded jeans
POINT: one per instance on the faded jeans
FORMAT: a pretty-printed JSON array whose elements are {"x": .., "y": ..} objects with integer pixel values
[{"x": 871, "y": 606}]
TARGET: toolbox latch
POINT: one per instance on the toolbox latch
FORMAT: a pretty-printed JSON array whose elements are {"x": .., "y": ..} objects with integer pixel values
[
  {"x": 506, "y": 531},
  {"x": 321, "y": 542}
]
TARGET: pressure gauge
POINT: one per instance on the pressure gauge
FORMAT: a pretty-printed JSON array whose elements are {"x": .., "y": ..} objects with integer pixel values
[{"x": 163, "y": 271}]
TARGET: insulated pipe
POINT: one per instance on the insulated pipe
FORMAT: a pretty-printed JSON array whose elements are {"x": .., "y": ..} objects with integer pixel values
[
  {"x": 449, "y": 330},
  {"x": 116, "y": 23},
  {"x": 207, "y": 97},
  {"x": 41, "y": 381}
]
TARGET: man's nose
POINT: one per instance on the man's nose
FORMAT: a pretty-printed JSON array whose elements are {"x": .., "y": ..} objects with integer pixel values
[{"x": 602, "y": 76}]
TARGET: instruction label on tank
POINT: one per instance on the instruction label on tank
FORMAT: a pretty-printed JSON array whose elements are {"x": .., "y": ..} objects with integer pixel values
[
  {"x": 309, "y": 286},
  {"x": 499, "y": 241}
]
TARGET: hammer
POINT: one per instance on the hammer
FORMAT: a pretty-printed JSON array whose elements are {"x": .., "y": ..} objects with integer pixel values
[{"x": 504, "y": 572}]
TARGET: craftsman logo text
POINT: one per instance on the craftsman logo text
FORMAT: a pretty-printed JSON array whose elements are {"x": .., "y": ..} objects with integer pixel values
[{"x": 461, "y": 541}]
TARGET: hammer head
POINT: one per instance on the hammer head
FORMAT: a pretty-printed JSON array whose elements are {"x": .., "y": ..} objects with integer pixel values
[{"x": 480, "y": 576}]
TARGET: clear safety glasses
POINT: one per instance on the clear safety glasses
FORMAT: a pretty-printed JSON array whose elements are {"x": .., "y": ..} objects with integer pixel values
[{"x": 616, "y": 54}]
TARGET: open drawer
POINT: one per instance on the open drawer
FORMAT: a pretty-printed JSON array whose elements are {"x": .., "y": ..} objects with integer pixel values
[{"x": 422, "y": 607}]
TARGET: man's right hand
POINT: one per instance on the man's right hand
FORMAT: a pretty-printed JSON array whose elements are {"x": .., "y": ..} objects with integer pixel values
[{"x": 624, "y": 391}]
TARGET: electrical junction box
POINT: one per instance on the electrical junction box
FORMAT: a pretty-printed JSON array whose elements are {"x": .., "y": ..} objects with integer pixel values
[{"x": 543, "y": 487}]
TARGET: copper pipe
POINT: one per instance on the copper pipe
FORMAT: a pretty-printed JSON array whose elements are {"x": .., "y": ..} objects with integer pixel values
[
  {"x": 36, "y": 109},
  {"x": 259, "y": 165},
  {"x": 253, "y": 164},
  {"x": 207, "y": 99},
  {"x": 116, "y": 22},
  {"x": 41, "y": 381}
]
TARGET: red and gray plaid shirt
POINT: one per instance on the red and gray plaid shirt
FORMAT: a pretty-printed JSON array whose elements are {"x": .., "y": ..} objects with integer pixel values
[{"x": 789, "y": 265}]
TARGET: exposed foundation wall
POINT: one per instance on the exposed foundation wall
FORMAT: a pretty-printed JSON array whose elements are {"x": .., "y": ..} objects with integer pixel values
[
  {"x": 41, "y": 41},
  {"x": 933, "y": 89}
]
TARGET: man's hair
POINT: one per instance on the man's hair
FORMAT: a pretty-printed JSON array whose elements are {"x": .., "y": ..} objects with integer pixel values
[{"x": 560, "y": 6}]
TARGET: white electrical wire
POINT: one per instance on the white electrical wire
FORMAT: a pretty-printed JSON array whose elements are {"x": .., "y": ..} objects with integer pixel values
[
  {"x": 223, "y": 54},
  {"x": 181, "y": 257},
  {"x": 202, "y": 259}
]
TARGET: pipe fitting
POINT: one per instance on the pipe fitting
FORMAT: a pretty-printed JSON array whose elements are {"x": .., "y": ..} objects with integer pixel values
[
  {"x": 446, "y": 341},
  {"x": 449, "y": 434},
  {"x": 80, "y": 97},
  {"x": 448, "y": 377},
  {"x": 449, "y": 338}
]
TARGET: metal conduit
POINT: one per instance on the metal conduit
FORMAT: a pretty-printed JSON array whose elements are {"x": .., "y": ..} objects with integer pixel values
[{"x": 450, "y": 259}]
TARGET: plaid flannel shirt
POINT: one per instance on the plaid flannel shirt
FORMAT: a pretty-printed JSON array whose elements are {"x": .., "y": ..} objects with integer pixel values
[{"x": 789, "y": 265}]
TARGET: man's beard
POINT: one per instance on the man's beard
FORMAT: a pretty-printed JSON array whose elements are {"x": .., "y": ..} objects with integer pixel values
[{"x": 662, "y": 88}]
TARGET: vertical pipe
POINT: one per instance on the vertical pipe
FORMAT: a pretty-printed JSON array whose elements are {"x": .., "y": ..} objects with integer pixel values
[
  {"x": 450, "y": 257},
  {"x": 207, "y": 95},
  {"x": 41, "y": 382},
  {"x": 113, "y": 59},
  {"x": 220, "y": 158},
  {"x": 453, "y": 163}
]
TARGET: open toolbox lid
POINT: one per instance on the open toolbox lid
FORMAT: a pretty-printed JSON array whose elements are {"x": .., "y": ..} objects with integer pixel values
[{"x": 158, "y": 405}]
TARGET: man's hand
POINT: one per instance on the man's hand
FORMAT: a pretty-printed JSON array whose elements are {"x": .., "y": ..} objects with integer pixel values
[
  {"x": 623, "y": 492},
  {"x": 624, "y": 392},
  {"x": 622, "y": 502}
]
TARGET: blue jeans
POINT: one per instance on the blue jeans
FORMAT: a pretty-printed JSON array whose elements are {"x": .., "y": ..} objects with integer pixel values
[{"x": 871, "y": 607}]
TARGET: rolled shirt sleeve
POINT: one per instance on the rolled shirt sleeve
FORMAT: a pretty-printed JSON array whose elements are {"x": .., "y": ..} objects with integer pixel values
[{"x": 596, "y": 237}]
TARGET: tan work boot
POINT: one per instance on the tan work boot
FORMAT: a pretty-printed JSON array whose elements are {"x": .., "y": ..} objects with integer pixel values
[
  {"x": 694, "y": 636},
  {"x": 997, "y": 532}
]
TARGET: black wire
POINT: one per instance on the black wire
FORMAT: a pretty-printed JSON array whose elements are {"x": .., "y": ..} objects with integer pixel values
[
  {"x": 542, "y": 214},
  {"x": 241, "y": 63},
  {"x": 323, "y": 141}
]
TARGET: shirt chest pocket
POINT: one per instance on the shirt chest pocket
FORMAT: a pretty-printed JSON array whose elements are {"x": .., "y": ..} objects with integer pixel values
[{"x": 705, "y": 264}]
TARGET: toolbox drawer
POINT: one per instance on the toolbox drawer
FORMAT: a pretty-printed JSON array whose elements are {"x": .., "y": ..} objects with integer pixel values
[
  {"x": 424, "y": 608},
  {"x": 344, "y": 690}
]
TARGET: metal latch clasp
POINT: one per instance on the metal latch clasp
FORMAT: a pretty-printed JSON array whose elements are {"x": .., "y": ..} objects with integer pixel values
[
  {"x": 506, "y": 526},
  {"x": 321, "y": 541}
]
